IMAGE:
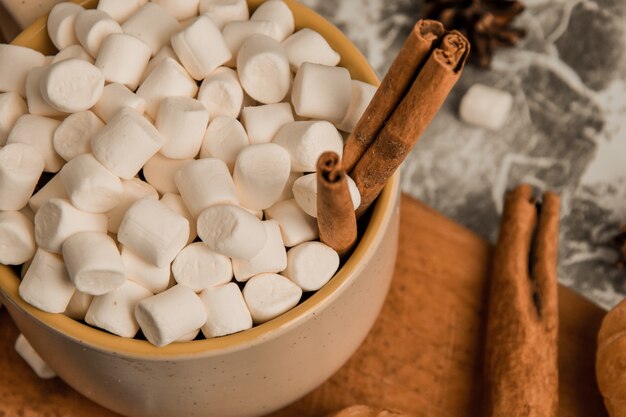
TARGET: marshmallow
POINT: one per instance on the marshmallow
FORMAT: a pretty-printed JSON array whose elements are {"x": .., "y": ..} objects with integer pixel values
[
  {"x": 176, "y": 203},
  {"x": 204, "y": 183},
  {"x": 362, "y": 94},
  {"x": 305, "y": 193},
  {"x": 90, "y": 186},
  {"x": 321, "y": 92},
  {"x": 12, "y": 106},
  {"x": 311, "y": 265},
  {"x": 236, "y": 32},
  {"x": 153, "y": 231},
  {"x": 113, "y": 98},
  {"x": 167, "y": 316},
  {"x": 295, "y": 225},
  {"x": 152, "y": 24},
  {"x": 223, "y": 11},
  {"x": 36, "y": 103},
  {"x": 61, "y": 24},
  {"x": 182, "y": 122},
  {"x": 53, "y": 189},
  {"x": 167, "y": 79},
  {"x": 123, "y": 59},
  {"x": 221, "y": 93},
  {"x": 17, "y": 238},
  {"x": 227, "y": 311},
  {"x": 115, "y": 311},
  {"x": 155, "y": 279},
  {"x": 20, "y": 169},
  {"x": 306, "y": 141},
  {"x": 46, "y": 285},
  {"x": 287, "y": 193},
  {"x": 72, "y": 85},
  {"x": 57, "y": 220},
  {"x": 198, "y": 267},
  {"x": 15, "y": 62},
  {"x": 263, "y": 69},
  {"x": 180, "y": 9},
  {"x": 160, "y": 171},
  {"x": 126, "y": 143},
  {"x": 224, "y": 139},
  {"x": 92, "y": 27},
  {"x": 272, "y": 258},
  {"x": 38, "y": 132},
  {"x": 232, "y": 231},
  {"x": 260, "y": 174},
  {"x": 72, "y": 51},
  {"x": 133, "y": 190},
  {"x": 262, "y": 122},
  {"x": 78, "y": 305},
  {"x": 32, "y": 358},
  {"x": 270, "y": 295},
  {"x": 486, "y": 106},
  {"x": 307, "y": 45},
  {"x": 120, "y": 10},
  {"x": 277, "y": 12},
  {"x": 165, "y": 52},
  {"x": 73, "y": 136}
]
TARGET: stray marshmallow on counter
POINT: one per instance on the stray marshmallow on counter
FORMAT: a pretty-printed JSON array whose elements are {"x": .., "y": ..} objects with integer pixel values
[
  {"x": 120, "y": 10},
  {"x": 72, "y": 51},
  {"x": 221, "y": 93},
  {"x": 133, "y": 190},
  {"x": 227, "y": 311},
  {"x": 222, "y": 12},
  {"x": 36, "y": 103},
  {"x": 92, "y": 27},
  {"x": 46, "y": 285},
  {"x": 224, "y": 139},
  {"x": 38, "y": 132},
  {"x": 180, "y": 9},
  {"x": 78, "y": 305},
  {"x": 160, "y": 171},
  {"x": 12, "y": 106},
  {"x": 32, "y": 358},
  {"x": 311, "y": 265},
  {"x": 53, "y": 189},
  {"x": 61, "y": 24},
  {"x": 272, "y": 258},
  {"x": 236, "y": 32},
  {"x": 277, "y": 12},
  {"x": 152, "y": 24},
  {"x": 307, "y": 45},
  {"x": 72, "y": 85},
  {"x": 15, "y": 62},
  {"x": 486, "y": 106},
  {"x": 305, "y": 193},
  {"x": 198, "y": 267},
  {"x": 262, "y": 122},
  {"x": 362, "y": 94},
  {"x": 123, "y": 59},
  {"x": 20, "y": 169},
  {"x": 73, "y": 136},
  {"x": 295, "y": 225},
  {"x": 151, "y": 277},
  {"x": 182, "y": 122},
  {"x": 17, "y": 238},
  {"x": 269, "y": 296},
  {"x": 114, "y": 97},
  {"x": 167, "y": 316},
  {"x": 176, "y": 203}
]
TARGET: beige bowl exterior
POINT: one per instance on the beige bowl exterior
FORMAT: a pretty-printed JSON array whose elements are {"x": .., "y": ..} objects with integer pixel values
[{"x": 247, "y": 374}]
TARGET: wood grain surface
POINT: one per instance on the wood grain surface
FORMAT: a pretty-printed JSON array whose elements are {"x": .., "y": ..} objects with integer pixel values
[{"x": 423, "y": 355}]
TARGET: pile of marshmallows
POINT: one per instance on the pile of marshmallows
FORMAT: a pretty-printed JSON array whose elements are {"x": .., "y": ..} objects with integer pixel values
[{"x": 223, "y": 114}]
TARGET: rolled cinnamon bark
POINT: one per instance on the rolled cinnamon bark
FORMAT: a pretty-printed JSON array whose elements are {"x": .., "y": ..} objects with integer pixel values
[
  {"x": 522, "y": 325},
  {"x": 409, "y": 120},
  {"x": 336, "y": 219},
  {"x": 425, "y": 35},
  {"x": 611, "y": 360}
]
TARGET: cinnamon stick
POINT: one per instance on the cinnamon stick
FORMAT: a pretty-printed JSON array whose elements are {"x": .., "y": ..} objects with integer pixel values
[
  {"x": 403, "y": 70},
  {"x": 611, "y": 360},
  {"x": 409, "y": 120},
  {"x": 522, "y": 325},
  {"x": 336, "y": 219},
  {"x": 366, "y": 411}
]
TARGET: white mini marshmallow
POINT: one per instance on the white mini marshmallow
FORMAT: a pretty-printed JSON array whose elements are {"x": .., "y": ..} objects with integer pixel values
[
  {"x": 32, "y": 358},
  {"x": 72, "y": 51},
  {"x": 277, "y": 12},
  {"x": 263, "y": 69},
  {"x": 160, "y": 171},
  {"x": 152, "y": 24},
  {"x": 305, "y": 193},
  {"x": 12, "y": 106},
  {"x": 198, "y": 267},
  {"x": 126, "y": 143},
  {"x": 17, "y": 238},
  {"x": 36, "y": 103},
  {"x": 307, "y": 45},
  {"x": 232, "y": 231},
  {"x": 224, "y": 139},
  {"x": 115, "y": 311},
  {"x": 261, "y": 172},
  {"x": 53, "y": 189},
  {"x": 221, "y": 93},
  {"x": 272, "y": 258},
  {"x": 227, "y": 311},
  {"x": 321, "y": 92},
  {"x": 20, "y": 169},
  {"x": 61, "y": 24},
  {"x": 182, "y": 122},
  {"x": 151, "y": 277},
  {"x": 58, "y": 219},
  {"x": 165, "y": 52},
  {"x": 78, "y": 305},
  {"x": 262, "y": 122},
  {"x": 91, "y": 187},
  {"x": 133, "y": 190},
  {"x": 295, "y": 225},
  {"x": 223, "y": 11},
  {"x": 269, "y": 296},
  {"x": 153, "y": 231},
  {"x": 167, "y": 316},
  {"x": 236, "y": 32},
  {"x": 287, "y": 193},
  {"x": 362, "y": 94},
  {"x": 311, "y": 265},
  {"x": 15, "y": 62},
  {"x": 92, "y": 27},
  {"x": 306, "y": 141},
  {"x": 123, "y": 59},
  {"x": 38, "y": 132},
  {"x": 120, "y": 10},
  {"x": 486, "y": 106},
  {"x": 180, "y": 9},
  {"x": 72, "y": 85},
  {"x": 113, "y": 98},
  {"x": 176, "y": 203},
  {"x": 205, "y": 182},
  {"x": 46, "y": 285},
  {"x": 73, "y": 137},
  {"x": 167, "y": 79}
]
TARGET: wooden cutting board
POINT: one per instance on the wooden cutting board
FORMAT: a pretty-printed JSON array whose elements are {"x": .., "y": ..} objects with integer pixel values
[{"x": 423, "y": 356}]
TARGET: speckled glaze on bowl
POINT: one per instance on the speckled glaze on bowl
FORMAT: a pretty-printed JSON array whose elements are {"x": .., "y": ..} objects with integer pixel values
[{"x": 246, "y": 374}]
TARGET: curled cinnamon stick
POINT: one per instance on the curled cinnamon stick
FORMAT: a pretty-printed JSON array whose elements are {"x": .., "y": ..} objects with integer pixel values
[
  {"x": 335, "y": 211},
  {"x": 409, "y": 120},
  {"x": 611, "y": 360},
  {"x": 403, "y": 70},
  {"x": 522, "y": 324}
]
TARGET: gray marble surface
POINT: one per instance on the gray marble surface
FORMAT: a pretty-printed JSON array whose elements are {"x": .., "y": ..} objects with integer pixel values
[{"x": 567, "y": 130}]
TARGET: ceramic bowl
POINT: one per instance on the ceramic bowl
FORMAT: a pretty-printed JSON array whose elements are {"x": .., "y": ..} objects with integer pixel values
[{"x": 245, "y": 374}]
